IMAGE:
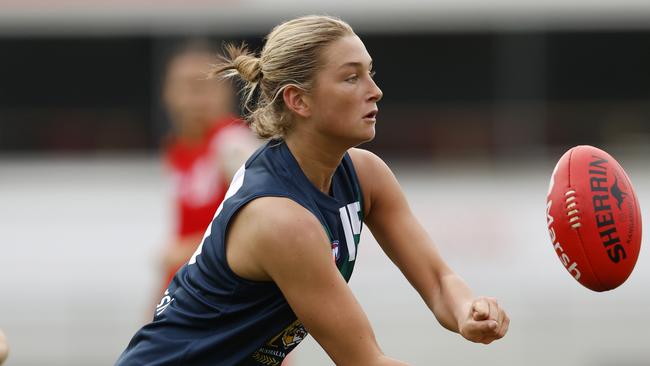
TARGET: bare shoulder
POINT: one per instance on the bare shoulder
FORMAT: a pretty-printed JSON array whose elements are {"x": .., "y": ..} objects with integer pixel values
[
  {"x": 363, "y": 157},
  {"x": 273, "y": 218},
  {"x": 368, "y": 165},
  {"x": 273, "y": 232},
  {"x": 375, "y": 176}
]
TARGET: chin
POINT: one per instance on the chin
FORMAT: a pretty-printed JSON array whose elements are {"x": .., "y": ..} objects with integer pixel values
[
  {"x": 371, "y": 136},
  {"x": 368, "y": 136},
  {"x": 358, "y": 136}
]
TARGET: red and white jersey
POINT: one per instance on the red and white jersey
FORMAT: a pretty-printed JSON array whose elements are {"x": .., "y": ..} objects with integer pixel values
[{"x": 199, "y": 177}]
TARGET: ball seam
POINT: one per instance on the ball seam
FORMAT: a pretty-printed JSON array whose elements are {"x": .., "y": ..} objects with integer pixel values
[{"x": 582, "y": 249}]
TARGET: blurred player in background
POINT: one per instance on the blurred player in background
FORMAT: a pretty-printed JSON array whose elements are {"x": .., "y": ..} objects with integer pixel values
[
  {"x": 4, "y": 348},
  {"x": 206, "y": 146},
  {"x": 274, "y": 262}
]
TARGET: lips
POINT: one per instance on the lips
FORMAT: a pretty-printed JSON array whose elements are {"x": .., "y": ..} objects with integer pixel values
[{"x": 371, "y": 114}]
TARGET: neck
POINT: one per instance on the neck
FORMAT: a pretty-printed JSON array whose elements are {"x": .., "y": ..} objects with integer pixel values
[{"x": 317, "y": 158}]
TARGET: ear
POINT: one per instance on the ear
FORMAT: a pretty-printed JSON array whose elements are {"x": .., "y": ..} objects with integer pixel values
[{"x": 296, "y": 100}]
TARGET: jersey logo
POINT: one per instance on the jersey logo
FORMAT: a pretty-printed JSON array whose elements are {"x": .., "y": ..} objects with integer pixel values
[
  {"x": 287, "y": 338},
  {"x": 293, "y": 336},
  {"x": 335, "y": 250},
  {"x": 351, "y": 226},
  {"x": 275, "y": 350},
  {"x": 164, "y": 303}
]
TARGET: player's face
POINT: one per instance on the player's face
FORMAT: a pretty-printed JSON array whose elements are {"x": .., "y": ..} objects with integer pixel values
[
  {"x": 192, "y": 101},
  {"x": 344, "y": 97}
]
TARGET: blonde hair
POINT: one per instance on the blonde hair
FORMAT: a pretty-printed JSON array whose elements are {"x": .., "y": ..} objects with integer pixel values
[{"x": 290, "y": 56}]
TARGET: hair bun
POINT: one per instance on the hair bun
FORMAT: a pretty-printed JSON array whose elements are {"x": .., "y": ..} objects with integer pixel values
[{"x": 248, "y": 67}]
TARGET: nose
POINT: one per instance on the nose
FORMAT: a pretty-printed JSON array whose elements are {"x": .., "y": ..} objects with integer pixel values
[{"x": 375, "y": 93}]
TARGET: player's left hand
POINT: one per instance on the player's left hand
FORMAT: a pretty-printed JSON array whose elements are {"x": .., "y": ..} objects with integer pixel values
[{"x": 485, "y": 321}]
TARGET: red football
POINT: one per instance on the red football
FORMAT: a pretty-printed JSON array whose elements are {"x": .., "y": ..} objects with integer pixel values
[{"x": 593, "y": 218}]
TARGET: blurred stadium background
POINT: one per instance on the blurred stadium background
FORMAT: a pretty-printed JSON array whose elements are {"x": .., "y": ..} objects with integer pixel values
[{"x": 481, "y": 99}]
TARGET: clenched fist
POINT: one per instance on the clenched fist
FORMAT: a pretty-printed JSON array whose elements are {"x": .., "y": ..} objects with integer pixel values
[{"x": 485, "y": 322}]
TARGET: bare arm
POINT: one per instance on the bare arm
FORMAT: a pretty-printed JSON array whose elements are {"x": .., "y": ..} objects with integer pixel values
[
  {"x": 407, "y": 244},
  {"x": 276, "y": 239}
]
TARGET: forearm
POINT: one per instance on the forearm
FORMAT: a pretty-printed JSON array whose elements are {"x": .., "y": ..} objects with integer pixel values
[
  {"x": 452, "y": 302},
  {"x": 381, "y": 361},
  {"x": 376, "y": 360},
  {"x": 353, "y": 342},
  {"x": 369, "y": 355}
]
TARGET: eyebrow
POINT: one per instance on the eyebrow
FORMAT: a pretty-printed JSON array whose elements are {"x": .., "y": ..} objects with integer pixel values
[{"x": 355, "y": 64}]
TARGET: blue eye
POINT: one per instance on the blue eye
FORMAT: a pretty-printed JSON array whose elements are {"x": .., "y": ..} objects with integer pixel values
[{"x": 352, "y": 78}]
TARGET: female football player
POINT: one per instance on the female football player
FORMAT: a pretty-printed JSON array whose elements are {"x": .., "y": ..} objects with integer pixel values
[{"x": 274, "y": 262}]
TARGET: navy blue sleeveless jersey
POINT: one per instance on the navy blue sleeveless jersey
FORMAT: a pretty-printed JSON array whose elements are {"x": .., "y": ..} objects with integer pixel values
[{"x": 211, "y": 316}]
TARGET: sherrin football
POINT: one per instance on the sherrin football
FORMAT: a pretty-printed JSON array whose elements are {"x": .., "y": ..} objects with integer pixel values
[{"x": 593, "y": 218}]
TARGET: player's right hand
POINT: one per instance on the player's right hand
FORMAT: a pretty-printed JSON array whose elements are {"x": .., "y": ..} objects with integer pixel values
[{"x": 486, "y": 321}]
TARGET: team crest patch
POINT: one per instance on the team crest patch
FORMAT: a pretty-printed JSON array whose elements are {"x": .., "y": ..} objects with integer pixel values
[
  {"x": 293, "y": 336},
  {"x": 277, "y": 348},
  {"x": 335, "y": 250}
]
